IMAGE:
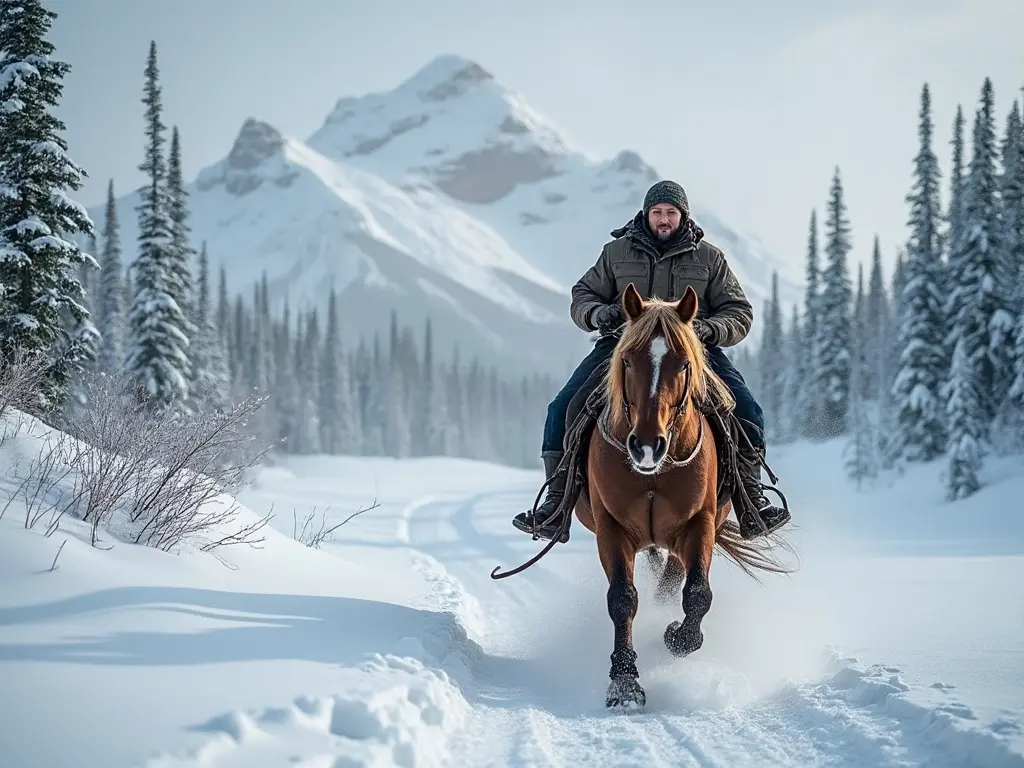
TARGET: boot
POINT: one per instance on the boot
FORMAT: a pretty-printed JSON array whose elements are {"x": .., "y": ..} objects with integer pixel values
[
  {"x": 548, "y": 520},
  {"x": 764, "y": 517}
]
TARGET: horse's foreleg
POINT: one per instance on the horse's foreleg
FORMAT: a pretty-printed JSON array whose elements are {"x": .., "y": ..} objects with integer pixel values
[
  {"x": 695, "y": 549},
  {"x": 618, "y": 555}
]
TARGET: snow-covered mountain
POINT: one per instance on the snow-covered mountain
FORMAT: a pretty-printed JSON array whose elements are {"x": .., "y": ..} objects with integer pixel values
[{"x": 447, "y": 197}]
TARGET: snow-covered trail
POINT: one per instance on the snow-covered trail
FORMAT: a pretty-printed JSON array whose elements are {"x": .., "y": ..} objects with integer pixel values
[
  {"x": 772, "y": 686},
  {"x": 541, "y": 681},
  {"x": 392, "y": 646}
]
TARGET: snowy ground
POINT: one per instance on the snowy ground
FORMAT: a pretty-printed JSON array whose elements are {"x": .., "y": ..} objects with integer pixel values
[{"x": 899, "y": 642}]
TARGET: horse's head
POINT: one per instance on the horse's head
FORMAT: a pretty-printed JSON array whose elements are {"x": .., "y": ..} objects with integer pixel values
[{"x": 657, "y": 368}]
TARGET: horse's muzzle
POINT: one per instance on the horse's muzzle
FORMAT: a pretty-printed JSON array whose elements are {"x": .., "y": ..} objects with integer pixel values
[{"x": 646, "y": 459}]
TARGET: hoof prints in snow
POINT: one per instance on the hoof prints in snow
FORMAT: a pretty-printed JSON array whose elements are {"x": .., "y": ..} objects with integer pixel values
[{"x": 399, "y": 714}]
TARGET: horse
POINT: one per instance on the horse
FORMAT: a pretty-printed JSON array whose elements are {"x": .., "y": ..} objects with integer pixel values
[{"x": 665, "y": 495}]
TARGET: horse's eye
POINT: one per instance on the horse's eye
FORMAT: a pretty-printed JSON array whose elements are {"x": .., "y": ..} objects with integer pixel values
[{"x": 626, "y": 363}]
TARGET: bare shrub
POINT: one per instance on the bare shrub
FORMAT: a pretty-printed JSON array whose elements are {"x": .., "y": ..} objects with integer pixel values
[
  {"x": 21, "y": 382},
  {"x": 313, "y": 534},
  {"x": 42, "y": 489},
  {"x": 111, "y": 442},
  {"x": 166, "y": 468}
]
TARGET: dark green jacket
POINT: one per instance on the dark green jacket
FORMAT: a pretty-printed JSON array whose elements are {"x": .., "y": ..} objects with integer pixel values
[{"x": 632, "y": 258}]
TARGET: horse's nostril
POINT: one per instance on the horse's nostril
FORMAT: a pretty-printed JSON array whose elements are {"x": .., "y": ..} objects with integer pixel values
[
  {"x": 660, "y": 447},
  {"x": 634, "y": 447}
]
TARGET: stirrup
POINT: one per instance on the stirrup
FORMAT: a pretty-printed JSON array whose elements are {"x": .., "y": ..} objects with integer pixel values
[{"x": 777, "y": 492}]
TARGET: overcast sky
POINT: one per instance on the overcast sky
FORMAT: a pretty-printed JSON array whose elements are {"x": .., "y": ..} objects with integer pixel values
[{"x": 749, "y": 104}]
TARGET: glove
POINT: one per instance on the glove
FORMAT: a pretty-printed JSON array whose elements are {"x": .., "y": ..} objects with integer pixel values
[
  {"x": 705, "y": 332},
  {"x": 608, "y": 317}
]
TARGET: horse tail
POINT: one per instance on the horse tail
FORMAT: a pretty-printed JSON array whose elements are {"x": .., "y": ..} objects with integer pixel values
[{"x": 755, "y": 554}]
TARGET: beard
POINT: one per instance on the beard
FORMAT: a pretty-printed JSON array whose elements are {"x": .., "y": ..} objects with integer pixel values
[{"x": 665, "y": 231}]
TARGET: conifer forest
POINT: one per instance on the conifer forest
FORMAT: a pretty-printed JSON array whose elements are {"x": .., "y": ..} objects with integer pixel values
[{"x": 921, "y": 362}]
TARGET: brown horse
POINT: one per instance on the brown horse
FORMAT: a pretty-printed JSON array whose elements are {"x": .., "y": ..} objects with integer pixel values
[{"x": 664, "y": 495}]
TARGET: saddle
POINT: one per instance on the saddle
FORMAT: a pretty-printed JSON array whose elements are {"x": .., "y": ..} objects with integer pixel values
[{"x": 589, "y": 406}]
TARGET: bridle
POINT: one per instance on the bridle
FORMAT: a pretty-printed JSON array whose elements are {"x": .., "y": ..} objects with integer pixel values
[
  {"x": 678, "y": 412},
  {"x": 680, "y": 408}
]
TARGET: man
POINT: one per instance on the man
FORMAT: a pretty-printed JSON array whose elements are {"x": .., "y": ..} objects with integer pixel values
[{"x": 661, "y": 251}]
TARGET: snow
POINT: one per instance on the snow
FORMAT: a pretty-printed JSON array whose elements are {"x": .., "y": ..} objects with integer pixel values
[{"x": 898, "y": 642}]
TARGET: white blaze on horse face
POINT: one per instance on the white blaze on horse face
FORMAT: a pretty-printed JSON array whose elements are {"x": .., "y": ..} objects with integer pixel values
[{"x": 658, "y": 351}]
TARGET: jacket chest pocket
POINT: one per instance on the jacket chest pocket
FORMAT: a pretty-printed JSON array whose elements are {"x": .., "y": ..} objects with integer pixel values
[
  {"x": 696, "y": 276},
  {"x": 635, "y": 272}
]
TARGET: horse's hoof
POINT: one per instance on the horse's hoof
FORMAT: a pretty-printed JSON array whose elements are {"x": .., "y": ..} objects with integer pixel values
[
  {"x": 625, "y": 693},
  {"x": 682, "y": 639}
]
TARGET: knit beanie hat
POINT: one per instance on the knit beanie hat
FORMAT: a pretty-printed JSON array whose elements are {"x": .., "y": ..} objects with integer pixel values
[{"x": 667, "y": 192}]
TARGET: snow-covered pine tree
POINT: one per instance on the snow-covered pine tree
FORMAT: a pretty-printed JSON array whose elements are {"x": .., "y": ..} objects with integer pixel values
[
  {"x": 285, "y": 398},
  {"x": 39, "y": 266},
  {"x": 84, "y": 329},
  {"x": 1010, "y": 413},
  {"x": 212, "y": 383},
  {"x": 795, "y": 377},
  {"x": 398, "y": 431},
  {"x": 361, "y": 367},
  {"x": 239, "y": 343},
  {"x": 111, "y": 292},
  {"x": 182, "y": 253},
  {"x": 834, "y": 343},
  {"x": 408, "y": 361},
  {"x": 887, "y": 424},
  {"x": 437, "y": 428},
  {"x": 257, "y": 367},
  {"x": 458, "y": 406},
  {"x": 376, "y": 422},
  {"x": 339, "y": 429},
  {"x": 157, "y": 354},
  {"x": 1016, "y": 392},
  {"x": 128, "y": 297},
  {"x": 858, "y": 335},
  {"x": 478, "y": 442},
  {"x": 964, "y": 414},
  {"x": 498, "y": 416},
  {"x": 920, "y": 423},
  {"x": 861, "y": 460},
  {"x": 308, "y": 363},
  {"x": 87, "y": 276},
  {"x": 954, "y": 212},
  {"x": 267, "y": 334},
  {"x": 810, "y": 393},
  {"x": 978, "y": 305},
  {"x": 224, "y": 316},
  {"x": 876, "y": 330},
  {"x": 772, "y": 364}
]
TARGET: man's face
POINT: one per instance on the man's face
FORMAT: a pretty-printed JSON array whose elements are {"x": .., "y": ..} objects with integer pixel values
[{"x": 663, "y": 220}]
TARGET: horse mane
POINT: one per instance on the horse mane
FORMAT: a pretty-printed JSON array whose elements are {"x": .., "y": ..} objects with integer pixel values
[{"x": 680, "y": 337}]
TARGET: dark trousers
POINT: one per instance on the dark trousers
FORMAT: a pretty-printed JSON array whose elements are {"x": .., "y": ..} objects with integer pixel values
[
  {"x": 558, "y": 409},
  {"x": 570, "y": 399},
  {"x": 747, "y": 409}
]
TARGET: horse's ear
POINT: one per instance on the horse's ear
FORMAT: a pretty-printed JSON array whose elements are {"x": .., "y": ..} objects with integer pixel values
[
  {"x": 687, "y": 306},
  {"x": 632, "y": 302}
]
